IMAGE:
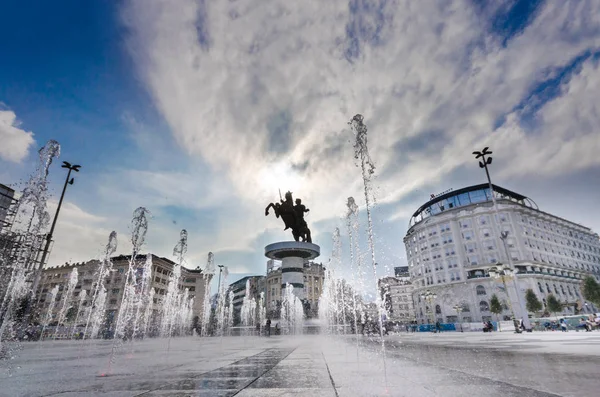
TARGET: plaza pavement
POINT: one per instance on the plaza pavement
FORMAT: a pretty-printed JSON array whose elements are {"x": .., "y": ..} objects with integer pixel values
[{"x": 538, "y": 364}]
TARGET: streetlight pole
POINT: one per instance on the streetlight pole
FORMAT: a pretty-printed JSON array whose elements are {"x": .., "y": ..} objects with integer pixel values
[
  {"x": 458, "y": 309},
  {"x": 68, "y": 181},
  {"x": 429, "y": 297},
  {"x": 219, "y": 285},
  {"x": 502, "y": 272},
  {"x": 526, "y": 322},
  {"x": 483, "y": 163}
]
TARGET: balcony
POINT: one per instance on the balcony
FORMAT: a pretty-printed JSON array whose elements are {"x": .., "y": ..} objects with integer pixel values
[{"x": 476, "y": 274}]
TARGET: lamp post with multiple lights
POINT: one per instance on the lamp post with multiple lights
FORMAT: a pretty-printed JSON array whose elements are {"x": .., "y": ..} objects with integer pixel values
[
  {"x": 429, "y": 296},
  {"x": 483, "y": 163},
  {"x": 504, "y": 272},
  {"x": 219, "y": 286},
  {"x": 459, "y": 309},
  {"x": 68, "y": 181}
]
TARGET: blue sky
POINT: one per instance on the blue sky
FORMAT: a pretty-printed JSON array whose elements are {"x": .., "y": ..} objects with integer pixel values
[{"x": 201, "y": 111}]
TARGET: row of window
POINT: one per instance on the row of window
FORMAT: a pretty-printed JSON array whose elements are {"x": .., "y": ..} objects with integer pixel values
[
  {"x": 560, "y": 231},
  {"x": 548, "y": 290}
]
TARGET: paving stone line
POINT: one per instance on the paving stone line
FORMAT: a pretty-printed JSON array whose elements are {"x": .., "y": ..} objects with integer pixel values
[
  {"x": 266, "y": 359},
  {"x": 523, "y": 390},
  {"x": 330, "y": 377}
]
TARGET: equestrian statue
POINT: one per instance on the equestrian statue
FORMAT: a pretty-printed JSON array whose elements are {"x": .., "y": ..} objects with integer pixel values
[{"x": 292, "y": 215}]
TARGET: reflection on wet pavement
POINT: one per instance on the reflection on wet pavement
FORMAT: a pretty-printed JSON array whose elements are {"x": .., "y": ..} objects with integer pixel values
[
  {"x": 225, "y": 381},
  {"x": 420, "y": 365}
]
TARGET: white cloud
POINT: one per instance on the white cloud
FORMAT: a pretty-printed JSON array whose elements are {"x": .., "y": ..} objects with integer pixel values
[
  {"x": 79, "y": 235},
  {"x": 15, "y": 142},
  {"x": 430, "y": 80},
  {"x": 432, "y": 68}
]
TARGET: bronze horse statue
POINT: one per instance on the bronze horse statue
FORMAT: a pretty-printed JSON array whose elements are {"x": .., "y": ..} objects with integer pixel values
[{"x": 293, "y": 217}]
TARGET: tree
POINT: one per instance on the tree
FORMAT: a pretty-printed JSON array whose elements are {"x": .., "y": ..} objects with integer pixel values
[
  {"x": 553, "y": 305},
  {"x": 591, "y": 290},
  {"x": 496, "y": 307},
  {"x": 71, "y": 314},
  {"x": 533, "y": 303}
]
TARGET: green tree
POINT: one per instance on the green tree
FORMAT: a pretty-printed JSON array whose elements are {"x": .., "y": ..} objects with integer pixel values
[
  {"x": 533, "y": 303},
  {"x": 553, "y": 305},
  {"x": 496, "y": 307},
  {"x": 591, "y": 290},
  {"x": 71, "y": 313}
]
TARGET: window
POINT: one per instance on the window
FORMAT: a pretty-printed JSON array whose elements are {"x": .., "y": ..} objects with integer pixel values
[
  {"x": 113, "y": 301},
  {"x": 484, "y": 307},
  {"x": 489, "y": 245},
  {"x": 480, "y": 290},
  {"x": 438, "y": 309},
  {"x": 484, "y": 220},
  {"x": 115, "y": 291},
  {"x": 465, "y": 223},
  {"x": 467, "y": 235},
  {"x": 452, "y": 262}
]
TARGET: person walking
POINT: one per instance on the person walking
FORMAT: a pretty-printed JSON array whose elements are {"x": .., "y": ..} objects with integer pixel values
[
  {"x": 268, "y": 327},
  {"x": 563, "y": 325}
]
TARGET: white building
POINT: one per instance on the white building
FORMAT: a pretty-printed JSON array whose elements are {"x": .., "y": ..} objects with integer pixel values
[
  {"x": 192, "y": 280},
  {"x": 314, "y": 274},
  {"x": 453, "y": 240},
  {"x": 397, "y": 295},
  {"x": 7, "y": 206}
]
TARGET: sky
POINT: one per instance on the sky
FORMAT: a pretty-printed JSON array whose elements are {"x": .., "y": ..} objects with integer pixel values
[{"x": 201, "y": 110}]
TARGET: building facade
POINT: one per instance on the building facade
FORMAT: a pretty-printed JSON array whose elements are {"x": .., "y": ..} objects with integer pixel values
[
  {"x": 7, "y": 206},
  {"x": 454, "y": 239},
  {"x": 314, "y": 274},
  {"x": 192, "y": 280},
  {"x": 239, "y": 288},
  {"x": 397, "y": 294}
]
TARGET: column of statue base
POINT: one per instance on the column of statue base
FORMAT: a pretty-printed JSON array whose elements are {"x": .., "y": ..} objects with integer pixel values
[{"x": 293, "y": 255}]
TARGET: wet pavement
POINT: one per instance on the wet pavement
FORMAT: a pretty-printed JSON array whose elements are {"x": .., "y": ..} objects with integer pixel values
[{"x": 423, "y": 365}]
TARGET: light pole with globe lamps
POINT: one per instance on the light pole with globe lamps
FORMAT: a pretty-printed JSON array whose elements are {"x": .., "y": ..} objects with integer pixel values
[
  {"x": 68, "y": 181},
  {"x": 219, "y": 285},
  {"x": 429, "y": 296},
  {"x": 483, "y": 163},
  {"x": 503, "y": 272},
  {"x": 459, "y": 309}
]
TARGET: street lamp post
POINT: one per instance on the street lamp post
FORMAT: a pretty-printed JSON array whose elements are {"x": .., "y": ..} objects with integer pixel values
[
  {"x": 219, "y": 285},
  {"x": 429, "y": 297},
  {"x": 483, "y": 163},
  {"x": 459, "y": 309},
  {"x": 68, "y": 181},
  {"x": 502, "y": 272}
]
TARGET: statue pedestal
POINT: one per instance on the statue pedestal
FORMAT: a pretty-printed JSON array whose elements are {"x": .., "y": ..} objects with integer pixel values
[{"x": 292, "y": 255}]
